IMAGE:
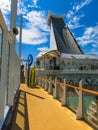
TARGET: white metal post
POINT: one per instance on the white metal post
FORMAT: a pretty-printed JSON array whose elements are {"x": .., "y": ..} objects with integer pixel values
[
  {"x": 80, "y": 103},
  {"x": 55, "y": 94},
  {"x": 46, "y": 84},
  {"x": 12, "y": 52},
  {"x": 20, "y": 44},
  {"x": 20, "y": 37},
  {"x": 50, "y": 86},
  {"x": 13, "y": 14},
  {"x": 64, "y": 94}
]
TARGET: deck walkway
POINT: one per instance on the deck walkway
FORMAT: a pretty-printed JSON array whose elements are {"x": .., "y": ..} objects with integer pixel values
[{"x": 37, "y": 110}]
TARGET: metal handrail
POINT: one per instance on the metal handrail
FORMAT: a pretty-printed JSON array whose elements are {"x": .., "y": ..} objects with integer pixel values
[{"x": 71, "y": 86}]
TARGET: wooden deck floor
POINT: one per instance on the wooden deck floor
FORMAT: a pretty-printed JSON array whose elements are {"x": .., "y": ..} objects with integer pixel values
[{"x": 37, "y": 110}]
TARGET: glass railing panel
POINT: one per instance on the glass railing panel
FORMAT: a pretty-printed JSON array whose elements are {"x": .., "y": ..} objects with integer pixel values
[
  {"x": 72, "y": 99},
  {"x": 53, "y": 87},
  {"x": 90, "y": 108},
  {"x": 60, "y": 92}
]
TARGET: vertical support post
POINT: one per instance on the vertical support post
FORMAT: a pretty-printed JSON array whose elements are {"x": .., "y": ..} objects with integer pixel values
[
  {"x": 12, "y": 55},
  {"x": 44, "y": 62},
  {"x": 55, "y": 94},
  {"x": 13, "y": 14},
  {"x": 42, "y": 83},
  {"x": 20, "y": 37},
  {"x": 64, "y": 95},
  {"x": 28, "y": 77},
  {"x": 50, "y": 86},
  {"x": 80, "y": 103},
  {"x": 46, "y": 84},
  {"x": 38, "y": 81}
]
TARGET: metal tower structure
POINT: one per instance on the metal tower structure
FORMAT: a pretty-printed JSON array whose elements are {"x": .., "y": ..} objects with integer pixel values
[{"x": 61, "y": 38}]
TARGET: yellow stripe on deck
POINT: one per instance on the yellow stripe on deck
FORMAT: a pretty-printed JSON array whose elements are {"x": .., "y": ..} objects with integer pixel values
[{"x": 37, "y": 110}]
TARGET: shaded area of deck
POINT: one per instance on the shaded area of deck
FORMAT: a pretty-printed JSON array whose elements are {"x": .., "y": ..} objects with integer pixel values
[{"x": 37, "y": 110}]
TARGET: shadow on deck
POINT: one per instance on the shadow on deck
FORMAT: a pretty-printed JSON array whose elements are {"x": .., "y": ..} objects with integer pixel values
[
  {"x": 37, "y": 110},
  {"x": 20, "y": 119}
]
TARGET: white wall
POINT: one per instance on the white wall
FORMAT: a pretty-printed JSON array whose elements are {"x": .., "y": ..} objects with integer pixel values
[{"x": 10, "y": 69}]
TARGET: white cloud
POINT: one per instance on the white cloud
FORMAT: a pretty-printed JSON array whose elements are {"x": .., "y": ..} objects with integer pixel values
[
  {"x": 74, "y": 23},
  {"x": 90, "y": 35},
  {"x": 33, "y": 36},
  {"x": 37, "y": 19},
  {"x": 95, "y": 46},
  {"x": 36, "y": 29},
  {"x": 70, "y": 14},
  {"x": 73, "y": 17},
  {"x": 43, "y": 49},
  {"x": 21, "y": 8},
  {"x": 5, "y": 6},
  {"x": 35, "y": 3},
  {"x": 83, "y": 4},
  {"x": 79, "y": 6}
]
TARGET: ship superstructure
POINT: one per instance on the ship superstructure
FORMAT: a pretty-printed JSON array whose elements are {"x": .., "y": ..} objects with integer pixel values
[{"x": 66, "y": 62}]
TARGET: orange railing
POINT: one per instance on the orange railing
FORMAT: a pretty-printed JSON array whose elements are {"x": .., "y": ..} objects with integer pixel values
[
  {"x": 80, "y": 101},
  {"x": 71, "y": 86}
]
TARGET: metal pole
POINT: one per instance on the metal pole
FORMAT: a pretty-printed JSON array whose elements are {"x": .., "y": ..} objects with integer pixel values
[
  {"x": 20, "y": 43},
  {"x": 13, "y": 14},
  {"x": 12, "y": 68},
  {"x": 20, "y": 38}
]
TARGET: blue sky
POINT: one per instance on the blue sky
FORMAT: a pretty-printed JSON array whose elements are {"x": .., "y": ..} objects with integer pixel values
[{"x": 81, "y": 18}]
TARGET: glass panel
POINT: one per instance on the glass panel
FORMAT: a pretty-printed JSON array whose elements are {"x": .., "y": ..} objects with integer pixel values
[
  {"x": 90, "y": 108},
  {"x": 72, "y": 99},
  {"x": 60, "y": 92}
]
